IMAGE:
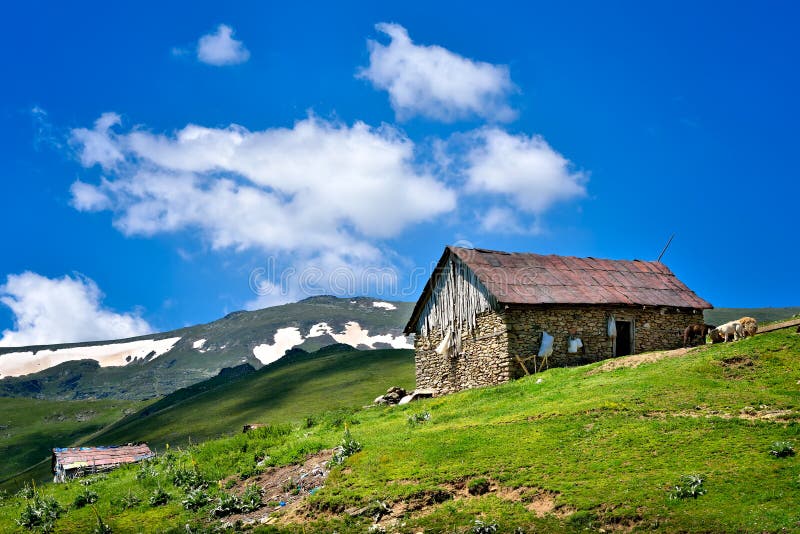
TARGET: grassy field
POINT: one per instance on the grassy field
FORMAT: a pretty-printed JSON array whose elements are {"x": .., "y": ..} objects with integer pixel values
[
  {"x": 565, "y": 450},
  {"x": 30, "y": 428},
  {"x": 332, "y": 378}
]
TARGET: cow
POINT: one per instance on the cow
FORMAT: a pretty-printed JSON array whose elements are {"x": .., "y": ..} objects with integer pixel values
[
  {"x": 749, "y": 326},
  {"x": 696, "y": 332},
  {"x": 732, "y": 328}
]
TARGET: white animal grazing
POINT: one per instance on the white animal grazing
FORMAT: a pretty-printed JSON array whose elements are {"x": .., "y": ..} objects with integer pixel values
[{"x": 733, "y": 328}]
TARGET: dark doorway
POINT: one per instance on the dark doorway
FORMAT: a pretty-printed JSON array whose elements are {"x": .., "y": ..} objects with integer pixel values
[{"x": 624, "y": 338}]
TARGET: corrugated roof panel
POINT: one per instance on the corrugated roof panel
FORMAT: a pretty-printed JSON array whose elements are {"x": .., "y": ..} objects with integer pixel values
[{"x": 536, "y": 279}]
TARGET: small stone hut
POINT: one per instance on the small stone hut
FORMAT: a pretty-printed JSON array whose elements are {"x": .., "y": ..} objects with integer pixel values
[{"x": 483, "y": 314}]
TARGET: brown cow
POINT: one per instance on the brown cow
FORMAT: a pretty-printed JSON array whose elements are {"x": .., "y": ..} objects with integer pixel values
[
  {"x": 749, "y": 326},
  {"x": 696, "y": 331}
]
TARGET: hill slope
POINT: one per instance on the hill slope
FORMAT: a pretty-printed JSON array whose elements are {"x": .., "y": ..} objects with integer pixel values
[
  {"x": 155, "y": 365},
  {"x": 566, "y": 450},
  {"x": 303, "y": 384},
  {"x": 335, "y": 377},
  {"x": 30, "y": 428},
  {"x": 763, "y": 315}
]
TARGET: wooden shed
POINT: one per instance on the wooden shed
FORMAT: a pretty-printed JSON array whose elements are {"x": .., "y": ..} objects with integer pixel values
[
  {"x": 72, "y": 462},
  {"x": 484, "y": 313}
]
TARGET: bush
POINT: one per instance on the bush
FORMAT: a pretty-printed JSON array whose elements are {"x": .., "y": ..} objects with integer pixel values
[
  {"x": 85, "y": 497},
  {"x": 418, "y": 418},
  {"x": 40, "y": 513},
  {"x": 26, "y": 492},
  {"x": 251, "y": 498},
  {"x": 129, "y": 500},
  {"x": 227, "y": 504},
  {"x": 196, "y": 498},
  {"x": 478, "y": 486},
  {"x": 690, "y": 486},
  {"x": 782, "y": 449},
  {"x": 159, "y": 497},
  {"x": 483, "y": 527},
  {"x": 146, "y": 471},
  {"x": 346, "y": 448},
  {"x": 188, "y": 478}
]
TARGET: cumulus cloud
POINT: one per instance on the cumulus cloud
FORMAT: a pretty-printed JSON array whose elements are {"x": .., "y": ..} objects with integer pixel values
[
  {"x": 522, "y": 171},
  {"x": 62, "y": 310},
  {"x": 98, "y": 145},
  {"x": 319, "y": 188},
  {"x": 434, "y": 82},
  {"x": 221, "y": 48}
]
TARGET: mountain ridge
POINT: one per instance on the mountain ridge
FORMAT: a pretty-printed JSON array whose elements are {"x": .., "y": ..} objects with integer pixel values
[{"x": 131, "y": 369}]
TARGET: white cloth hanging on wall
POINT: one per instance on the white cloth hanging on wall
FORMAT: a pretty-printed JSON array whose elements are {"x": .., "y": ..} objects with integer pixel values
[
  {"x": 546, "y": 348},
  {"x": 612, "y": 327},
  {"x": 574, "y": 344},
  {"x": 444, "y": 347}
]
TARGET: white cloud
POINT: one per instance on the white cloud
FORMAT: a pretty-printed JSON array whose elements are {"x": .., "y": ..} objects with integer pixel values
[
  {"x": 98, "y": 145},
  {"x": 221, "y": 48},
  {"x": 321, "y": 189},
  {"x": 434, "y": 82},
  {"x": 524, "y": 172},
  {"x": 62, "y": 310}
]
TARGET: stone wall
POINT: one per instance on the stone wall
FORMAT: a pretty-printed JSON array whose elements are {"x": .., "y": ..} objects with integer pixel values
[
  {"x": 487, "y": 354},
  {"x": 653, "y": 330},
  {"x": 483, "y": 360}
]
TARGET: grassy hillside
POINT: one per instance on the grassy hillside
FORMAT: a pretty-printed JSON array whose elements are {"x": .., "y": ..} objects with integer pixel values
[
  {"x": 30, "y": 428},
  {"x": 566, "y": 450},
  {"x": 298, "y": 385},
  {"x": 763, "y": 315}
]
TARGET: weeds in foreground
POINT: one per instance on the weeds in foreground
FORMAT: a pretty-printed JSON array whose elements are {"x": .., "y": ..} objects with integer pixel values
[
  {"x": 40, "y": 513},
  {"x": 689, "y": 486},
  {"x": 129, "y": 500},
  {"x": 85, "y": 497},
  {"x": 348, "y": 447},
  {"x": 418, "y": 418},
  {"x": 159, "y": 497},
  {"x": 196, "y": 498},
  {"x": 484, "y": 527},
  {"x": 782, "y": 449}
]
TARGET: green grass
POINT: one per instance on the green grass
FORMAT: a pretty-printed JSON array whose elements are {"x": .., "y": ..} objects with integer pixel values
[
  {"x": 609, "y": 448},
  {"x": 332, "y": 378},
  {"x": 30, "y": 428}
]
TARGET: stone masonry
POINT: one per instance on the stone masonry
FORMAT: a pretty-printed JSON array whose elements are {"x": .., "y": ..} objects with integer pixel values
[{"x": 487, "y": 354}]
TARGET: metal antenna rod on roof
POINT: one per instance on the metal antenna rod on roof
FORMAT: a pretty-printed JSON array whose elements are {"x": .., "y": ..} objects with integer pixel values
[{"x": 665, "y": 248}]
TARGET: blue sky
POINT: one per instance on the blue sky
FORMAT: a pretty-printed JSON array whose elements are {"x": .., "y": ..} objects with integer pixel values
[{"x": 165, "y": 163}]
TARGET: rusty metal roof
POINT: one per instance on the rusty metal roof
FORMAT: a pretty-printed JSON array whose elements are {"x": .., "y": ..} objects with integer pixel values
[
  {"x": 524, "y": 278},
  {"x": 535, "y": 279},
  {"x": 74, "y": 457}
]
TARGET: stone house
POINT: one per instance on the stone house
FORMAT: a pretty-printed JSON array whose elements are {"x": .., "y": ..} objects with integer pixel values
[{"x": 485, "y": 314}]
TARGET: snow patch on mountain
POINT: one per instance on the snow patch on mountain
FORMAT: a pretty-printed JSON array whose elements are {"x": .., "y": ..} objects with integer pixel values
[
  {"x": 353, "y": 335},
  {"x": 285, "y": 339},
  {"x": 111, "y": 355},
  {"x": 384, "y": 305},
  {"x": 199, "y": 344}
]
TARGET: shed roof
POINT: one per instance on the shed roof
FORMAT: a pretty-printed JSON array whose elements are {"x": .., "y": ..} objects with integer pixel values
[
  {"x": 73, "y": 457},
  {"x": 535, "y": 279}
]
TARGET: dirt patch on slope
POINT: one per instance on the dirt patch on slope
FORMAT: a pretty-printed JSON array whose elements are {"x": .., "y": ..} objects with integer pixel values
[
  {"x": 638, "y": 359},
  {"x": 285, "y": 488}
]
